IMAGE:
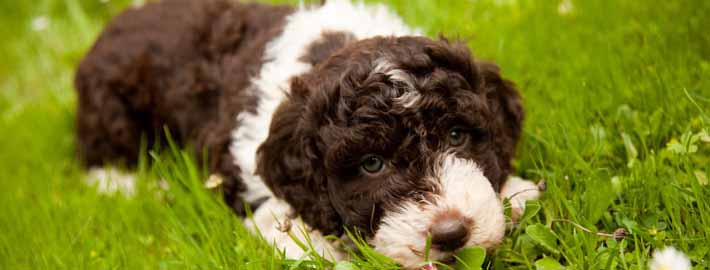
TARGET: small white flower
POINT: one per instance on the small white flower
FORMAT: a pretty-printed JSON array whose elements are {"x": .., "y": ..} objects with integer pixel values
[
  {"x": 669, "y": 259},
  {"x": 704, "y": 136},
  {"x": 138, "y": 3},
  {"x": 565, "y": 7},
  {"x": 164, "y": 185},
  {"x": 40, "y": 23},
  {"x": 214, "y": 181}
]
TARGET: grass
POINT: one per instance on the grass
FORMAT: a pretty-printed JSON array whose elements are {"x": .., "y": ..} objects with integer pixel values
[{"x": 617, "y": 95}]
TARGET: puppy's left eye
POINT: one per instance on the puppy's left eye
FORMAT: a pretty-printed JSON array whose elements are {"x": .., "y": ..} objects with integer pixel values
[{"x": 457, "y": 136}]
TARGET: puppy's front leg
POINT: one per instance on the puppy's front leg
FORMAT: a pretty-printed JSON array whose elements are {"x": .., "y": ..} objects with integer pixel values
[
  {"x": 275, "y": 221},
  {"x": 518, "y": 191}
]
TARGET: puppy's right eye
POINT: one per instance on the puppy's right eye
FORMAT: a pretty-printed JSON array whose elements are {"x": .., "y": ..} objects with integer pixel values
[
  {"x": 372, "y": 164},
  {"x": 457, "y": 136}
]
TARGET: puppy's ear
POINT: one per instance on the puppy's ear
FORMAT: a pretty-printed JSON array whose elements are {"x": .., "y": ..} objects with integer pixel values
[
  {"x": 286, "y": 161},
  {"x": 506, "y": 106}
]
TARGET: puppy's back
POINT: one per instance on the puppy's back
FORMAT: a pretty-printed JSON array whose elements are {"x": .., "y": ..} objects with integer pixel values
[{"x": 179, "y": 64}]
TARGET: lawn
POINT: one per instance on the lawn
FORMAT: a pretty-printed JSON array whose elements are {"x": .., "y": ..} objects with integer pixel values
[{"x": 617, "y": 94}]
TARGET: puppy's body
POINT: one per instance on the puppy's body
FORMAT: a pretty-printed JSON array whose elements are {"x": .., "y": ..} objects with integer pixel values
[
  {"x": 187, "y": 65},
  {"x": 290, "y": 104}
]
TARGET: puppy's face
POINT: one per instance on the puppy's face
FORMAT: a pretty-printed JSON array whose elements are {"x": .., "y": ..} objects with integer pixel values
[{"x": 401, "y": 139}]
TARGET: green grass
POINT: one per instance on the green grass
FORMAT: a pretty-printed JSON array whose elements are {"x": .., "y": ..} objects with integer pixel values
[{"x": 617, "y": 94}]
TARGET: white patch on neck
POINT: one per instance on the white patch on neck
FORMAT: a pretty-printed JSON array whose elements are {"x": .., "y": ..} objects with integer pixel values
[
  {"x": 463, "y": 188},
  {"x": 274, "y": 221},
  {"x": 282, "y": 63}
]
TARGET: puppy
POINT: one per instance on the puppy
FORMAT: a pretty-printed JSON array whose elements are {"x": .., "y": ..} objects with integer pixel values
[{"x": 323, "y": 118}]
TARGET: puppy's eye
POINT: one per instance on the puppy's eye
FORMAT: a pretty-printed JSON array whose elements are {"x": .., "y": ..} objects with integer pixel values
[
  {"x": 372, "y": 164},
  {"x": 457, "y": 136}
]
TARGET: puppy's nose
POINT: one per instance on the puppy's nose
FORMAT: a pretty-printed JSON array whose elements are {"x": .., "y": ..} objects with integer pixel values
[{"x": 448, "y": 234}]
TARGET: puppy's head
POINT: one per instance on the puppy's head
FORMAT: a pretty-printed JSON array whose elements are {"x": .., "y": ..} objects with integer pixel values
[{"x": 400, "y": 139}]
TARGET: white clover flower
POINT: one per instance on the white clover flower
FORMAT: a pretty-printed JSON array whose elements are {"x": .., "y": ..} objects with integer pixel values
[
  {"x": 137, "y": 3},
  {"x": 669, "y": 259},
  {"x": 214, "y": 181},
  {"x": 565, "y": 7},
  {"x": 40, "y": 23}
]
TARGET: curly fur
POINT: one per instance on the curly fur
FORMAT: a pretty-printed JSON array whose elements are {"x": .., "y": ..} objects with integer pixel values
[
  {"x": 342, "y": 110},
  {"x": 286, "y": 103},
  {"x": 181, "y": 64}
]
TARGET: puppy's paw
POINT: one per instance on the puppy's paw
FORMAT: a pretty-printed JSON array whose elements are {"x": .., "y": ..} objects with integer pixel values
[
  {"x": 518, "y": 191},
  {"x": 275, "y": 221},
  {"x": 110, "y": 181}
]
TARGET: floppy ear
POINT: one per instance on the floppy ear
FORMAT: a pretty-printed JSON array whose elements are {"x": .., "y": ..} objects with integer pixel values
[
  {"x": 506, "y": 106},
  {"x": 286, "y": 161}
]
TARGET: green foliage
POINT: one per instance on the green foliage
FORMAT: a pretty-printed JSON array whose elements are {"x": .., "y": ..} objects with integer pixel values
[
  {"x": 616, "y": 95},
  {"x": 547, "y": 263},
  {"x": 470, "y": 258},
  {"x": 543, "y": 236}
]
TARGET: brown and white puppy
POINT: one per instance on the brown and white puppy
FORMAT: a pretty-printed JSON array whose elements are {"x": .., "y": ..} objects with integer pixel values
[{"x": 332, "y": 117}]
